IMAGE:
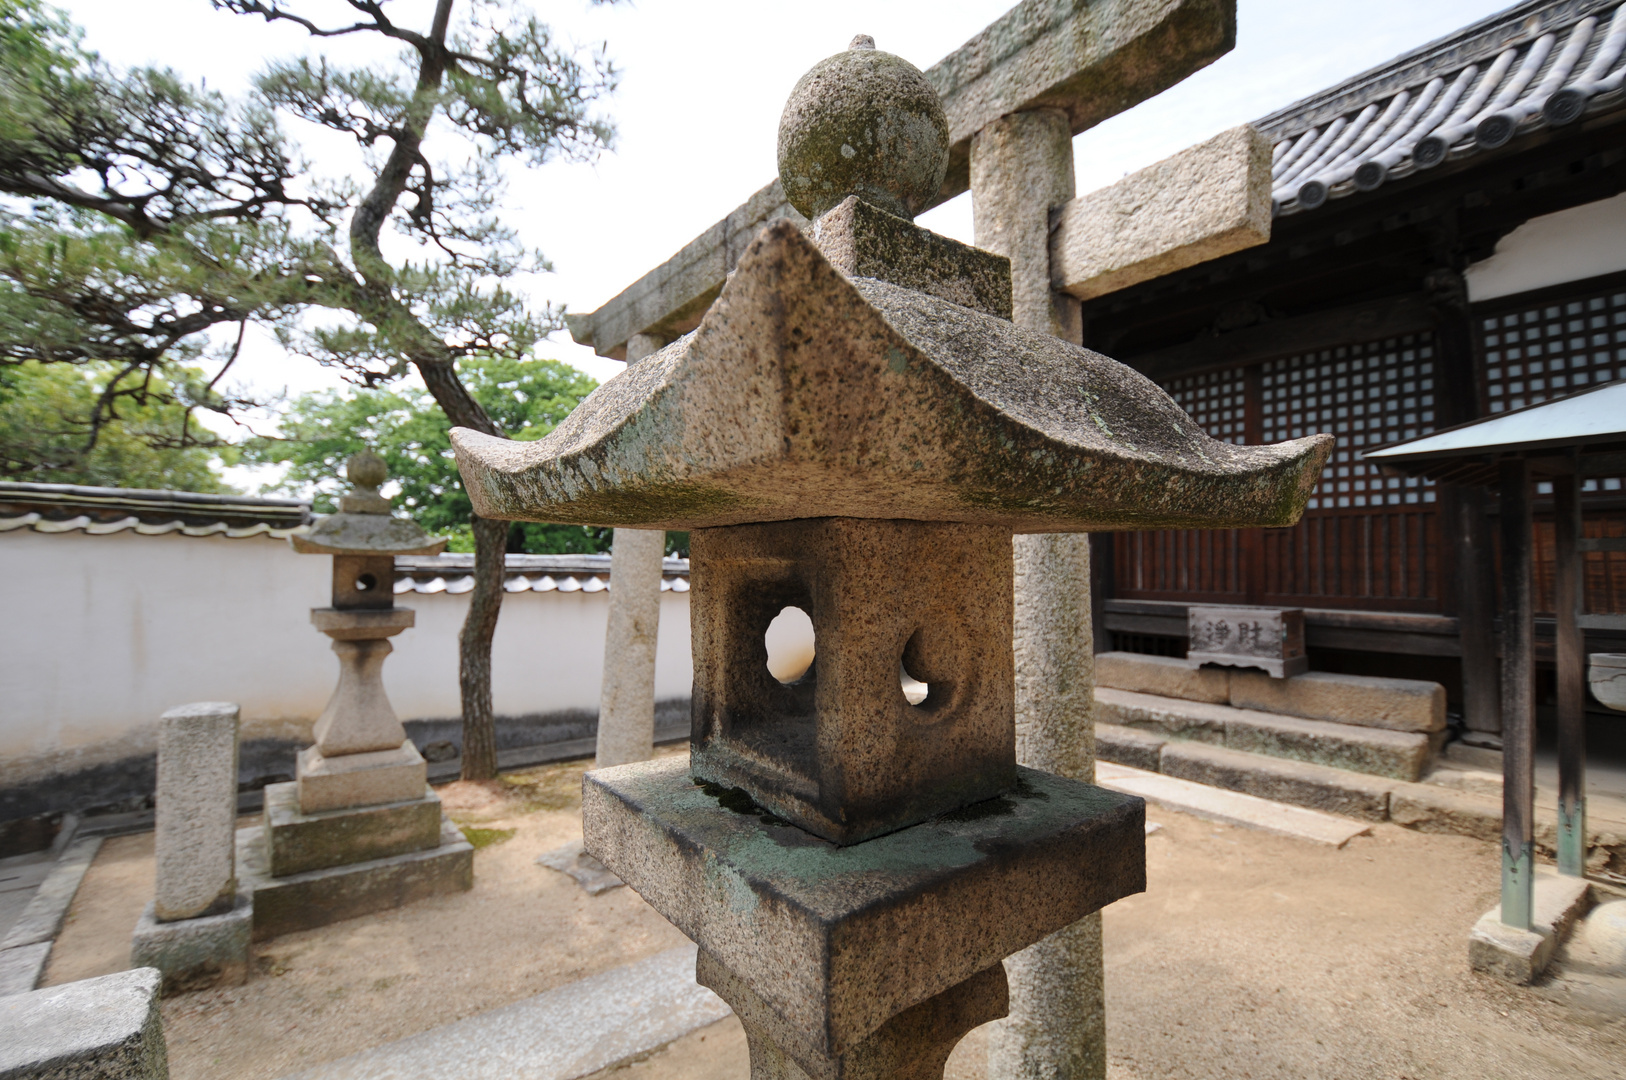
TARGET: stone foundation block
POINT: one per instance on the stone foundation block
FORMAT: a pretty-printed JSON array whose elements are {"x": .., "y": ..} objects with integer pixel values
[
  {"x": 1195, "y": 720},
  {"x": 1395, "y": 704},
  {"x": 1318, "y": 787},
  {"x": 299, "y": 842},
  {"x": 283, "y": 905},
  {"x": 195, "y": 954},
  {"x": 107, "y": 1028},
  {"x": 369, "y": 779},
  {"x": 1520, "y": 956},
  {"x": 1395, "y": 754},
  {"x": 1435, "y": 809},
  {"x": 1126, "y": 746},
  {"x": 1165, "y": 676},
  {"x": 836, "y": 941}
]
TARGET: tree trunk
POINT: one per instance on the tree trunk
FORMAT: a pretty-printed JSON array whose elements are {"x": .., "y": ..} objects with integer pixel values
[{"x": 474, "y": 649}]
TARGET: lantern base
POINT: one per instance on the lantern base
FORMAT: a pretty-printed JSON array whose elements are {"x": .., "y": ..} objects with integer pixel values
[{"x": 348, "y": 780}]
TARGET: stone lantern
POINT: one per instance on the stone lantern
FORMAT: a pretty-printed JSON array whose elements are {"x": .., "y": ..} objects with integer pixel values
[
  {"x": 856, "y": 429},
  {"x": 359, "y": 829}
]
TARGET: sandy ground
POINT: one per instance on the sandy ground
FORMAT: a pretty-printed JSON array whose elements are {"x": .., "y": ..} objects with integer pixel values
[
  {"x": 1249, "y": 956},
  {"x": 326, "y": 993}
]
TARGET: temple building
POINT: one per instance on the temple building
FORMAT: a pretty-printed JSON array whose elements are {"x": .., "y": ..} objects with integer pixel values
[{"x": 1448, "y": 242}]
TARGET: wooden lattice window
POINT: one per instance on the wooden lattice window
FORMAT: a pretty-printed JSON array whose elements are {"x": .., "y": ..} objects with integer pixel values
[
  {"x": 1367, "y": 395},
  {"x": 1549, "y": 349},
  {"x": 1217, "y": 400}
]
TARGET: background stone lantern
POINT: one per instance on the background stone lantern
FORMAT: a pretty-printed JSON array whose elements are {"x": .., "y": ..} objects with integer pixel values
[
  {"x": 358, "y": 829},
  {"x": 857, "y": 429}
]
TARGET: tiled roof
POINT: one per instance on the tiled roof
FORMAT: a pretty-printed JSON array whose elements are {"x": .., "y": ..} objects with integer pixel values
[
  {"x": 453, "y": 573},
  {"x": 99, "y": 511},
  {"x": 1544, "y": 63}
]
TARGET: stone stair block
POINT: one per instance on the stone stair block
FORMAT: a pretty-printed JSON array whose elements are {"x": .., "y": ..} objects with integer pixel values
[
  {"x": 1126, "y": 746},
  {"x": 1173, "y": 719},
  {"x": 1165, "y": 676},
  {"x": 1335, "y": 791},
  {"x": 1396, "y": 754},
  {"x": 1361, "y": 700},
  {"x": 1435, "y": 809}
]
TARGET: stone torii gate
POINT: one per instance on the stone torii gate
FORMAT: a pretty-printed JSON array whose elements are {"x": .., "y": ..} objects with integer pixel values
[{"x": 1014, "y": 96}]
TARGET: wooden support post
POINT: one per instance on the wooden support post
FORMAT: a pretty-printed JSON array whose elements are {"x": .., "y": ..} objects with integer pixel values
[
  {"x": 1571, "y": 670},
  {"x": 1518, "y": 694},
  {"x": 1475, "y": 569}
]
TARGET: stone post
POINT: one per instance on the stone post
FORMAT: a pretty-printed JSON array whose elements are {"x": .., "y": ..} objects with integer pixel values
[
  {"x": 1021, "y": 171},
  {"x": 195, "y": 833},
  {"x": 196, "y": 930},
  {"x": 626, "y": 709}
]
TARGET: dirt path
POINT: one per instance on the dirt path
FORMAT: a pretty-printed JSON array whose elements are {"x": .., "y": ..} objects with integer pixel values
[{"x": 1250, "y": 956}]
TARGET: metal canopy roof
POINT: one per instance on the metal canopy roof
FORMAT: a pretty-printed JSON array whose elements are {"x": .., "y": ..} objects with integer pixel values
[
  {"x": 1586, "y": 429},
  {"x": 1539, "y": 64}
]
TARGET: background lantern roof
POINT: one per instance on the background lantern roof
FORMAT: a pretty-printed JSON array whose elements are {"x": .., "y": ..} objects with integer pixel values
[
  {"x": 1537, "y": 65},
  {"x": 806, "y": 394},
  {"x": 364, "y": 524}
]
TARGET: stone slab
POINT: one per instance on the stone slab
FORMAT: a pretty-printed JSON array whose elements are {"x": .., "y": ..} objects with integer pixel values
[
  {"x": 1435, "y": 809},
  {"x": 1395, "y": 754},
  {"x": 360, "y": 624},
  {"x": 43, "y": 916},
  {"x": 1165, "y": 676},
  {"x": 299, "y": 842},
  {"x": 1362, "y": 700},
  {"x": 355, "y": 780},
  {"x": 863, "y": 241},
  {"x": 107, "y": 1028},
  {"x": 1126, "y": 746},
  {"x": 1168, "y": 717},
  {"x": 572, "y": 1031},
  {"x": 196, "y": 810},
  {"x": 1231, "y": 807},
  {"x": 1208, "y": 200},
  {"x": 838, "y": 940},
  {"x": 1334, "y": 791},
  {"x": 321, "y": 897},
  {"x": 1520, "y": 956},
  {"x": 196, "y": 954},
  {"x": 22, "y": 968},
  {"x": 573, "y": 861}
]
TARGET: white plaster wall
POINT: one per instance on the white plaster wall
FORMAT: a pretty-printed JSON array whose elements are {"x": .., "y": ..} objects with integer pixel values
[
  {"x": 101, "y": 634},
  {"x": 1571, "y": 245}
]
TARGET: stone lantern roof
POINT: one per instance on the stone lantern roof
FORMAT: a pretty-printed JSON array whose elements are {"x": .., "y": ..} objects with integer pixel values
[
  {"x": 805, "y": 393},
  {"x": 364, "y": 524}
]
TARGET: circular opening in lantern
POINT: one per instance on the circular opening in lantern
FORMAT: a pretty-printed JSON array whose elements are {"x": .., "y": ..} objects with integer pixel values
[{"x": 789, "y": 639}]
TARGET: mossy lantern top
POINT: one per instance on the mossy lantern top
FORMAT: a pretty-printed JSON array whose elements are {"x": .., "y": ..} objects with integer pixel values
[
  {"x": 809, "y": 391},
  {"x": 364, "y": 525}
]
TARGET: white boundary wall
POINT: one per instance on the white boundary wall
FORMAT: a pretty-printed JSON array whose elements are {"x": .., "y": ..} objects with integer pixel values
[{"x": 100, "y": 634}]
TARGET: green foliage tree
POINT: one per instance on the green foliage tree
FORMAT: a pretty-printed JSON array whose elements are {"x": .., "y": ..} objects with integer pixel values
[
  {"x": 161, "y": 212},
  {"x": 405, "y": 427},
  {"x": 48, "y": 417}
]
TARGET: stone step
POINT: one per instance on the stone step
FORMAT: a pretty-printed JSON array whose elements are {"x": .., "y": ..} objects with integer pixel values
[
  {"x": 1399, "y": 755},
  {"x": 1231, "y": 807},
  {"x": 1359, "y": 700},
  {"x": 1427, "y": 806}
]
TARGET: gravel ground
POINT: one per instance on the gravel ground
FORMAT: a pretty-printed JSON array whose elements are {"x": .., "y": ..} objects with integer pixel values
[{"x": 1249, "y": 956}]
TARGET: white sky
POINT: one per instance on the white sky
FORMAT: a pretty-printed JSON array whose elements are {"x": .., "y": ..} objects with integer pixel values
[{"x": 703, "y": 83}]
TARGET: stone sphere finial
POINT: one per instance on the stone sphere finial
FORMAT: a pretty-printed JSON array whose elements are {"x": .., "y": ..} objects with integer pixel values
[
  {"x": 866, "y": 123},
  {"x": 367, "y": 470}
]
